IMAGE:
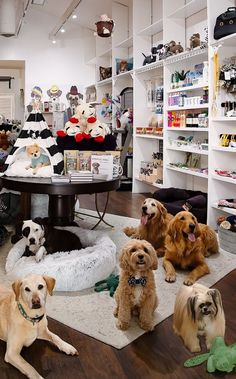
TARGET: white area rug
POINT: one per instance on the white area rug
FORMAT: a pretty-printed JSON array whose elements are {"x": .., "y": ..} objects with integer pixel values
[{"x": 92, "y": 313}]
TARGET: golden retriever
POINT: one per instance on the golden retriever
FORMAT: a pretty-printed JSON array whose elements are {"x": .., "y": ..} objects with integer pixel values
[
  {"x": 136, "y": 291},
  {"x": 23, "y": 320},
  {"x": 187, "y": 242},
  {"x": 153, "y": 226}
]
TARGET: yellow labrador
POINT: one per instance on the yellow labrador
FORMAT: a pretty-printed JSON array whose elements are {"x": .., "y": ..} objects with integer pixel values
[{"x": 23, "y": 320}]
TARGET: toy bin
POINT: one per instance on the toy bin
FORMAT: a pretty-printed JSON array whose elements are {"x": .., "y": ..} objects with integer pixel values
[{"x": 227, "y": 240}]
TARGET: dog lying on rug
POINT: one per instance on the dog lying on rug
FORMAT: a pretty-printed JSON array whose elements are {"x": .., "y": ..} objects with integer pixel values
[
  {"x": 187, "y": 244},
  {"x": 198, "y": 311},
  {"x": 42, "y": 239},
  {"x": 153, "y": 226},
  {"x": 23, "y": 320},
  {"x": 136, "y": 292}
]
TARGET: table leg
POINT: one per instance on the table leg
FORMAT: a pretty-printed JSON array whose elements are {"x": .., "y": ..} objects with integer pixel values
[
  {"x": 61, "y": 210},
  {"x": 25, "y": 205},
  {"x": 101, "y": 216}
]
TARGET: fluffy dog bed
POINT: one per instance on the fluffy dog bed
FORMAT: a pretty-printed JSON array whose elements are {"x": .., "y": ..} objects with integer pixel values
[{"x": 74, "y": 270}]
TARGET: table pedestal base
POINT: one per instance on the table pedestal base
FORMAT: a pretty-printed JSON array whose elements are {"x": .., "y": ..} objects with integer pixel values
[{"x": 61, "y": 210}]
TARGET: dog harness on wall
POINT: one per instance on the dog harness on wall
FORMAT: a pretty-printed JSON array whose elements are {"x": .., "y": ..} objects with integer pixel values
[{"x": 36, "y": 131}]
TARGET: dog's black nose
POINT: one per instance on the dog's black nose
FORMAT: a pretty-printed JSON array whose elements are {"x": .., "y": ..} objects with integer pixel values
[
  {"x": 32, "y": 241},
  {"x": 191, "y": 227},
  {"x": 140, "y": 256},
  {"x": 36, "y": 303},
  {"x": 144, "y": 208}
]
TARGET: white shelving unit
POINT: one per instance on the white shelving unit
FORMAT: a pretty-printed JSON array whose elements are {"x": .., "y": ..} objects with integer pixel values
[{"x": 141, "y": 25}]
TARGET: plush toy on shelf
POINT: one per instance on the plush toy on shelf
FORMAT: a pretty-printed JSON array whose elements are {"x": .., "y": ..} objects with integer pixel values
[
  {"x": 85, "y": 112},
  {"x": 109, "y": 284},
  {"x": 97, "y": 130},
  {"x": 104, "y": 26},
  {"x": 220, "y": 357}
]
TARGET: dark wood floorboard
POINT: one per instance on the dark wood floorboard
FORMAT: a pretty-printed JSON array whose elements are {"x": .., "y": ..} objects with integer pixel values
[{"x": 155, "y": 355}]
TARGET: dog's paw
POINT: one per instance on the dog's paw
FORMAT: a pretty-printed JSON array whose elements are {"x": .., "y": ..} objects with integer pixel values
[
  {"x": 38, "y": 258},
  {"x": 189, "y": 281},
  {"x": 127, "y": 231},
  {"x": 69, "y": 349},
  {"x": 122, "y": 325},
  {"x": 145, "y": 325},
  {"x": 170, "y": 278}
]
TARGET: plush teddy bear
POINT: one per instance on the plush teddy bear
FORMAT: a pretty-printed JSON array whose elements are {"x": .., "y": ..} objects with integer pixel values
[
  {"x": 4, "y": 142},
  {"x": 175, "y": 48},
  {"x": 195, "y": 40}
]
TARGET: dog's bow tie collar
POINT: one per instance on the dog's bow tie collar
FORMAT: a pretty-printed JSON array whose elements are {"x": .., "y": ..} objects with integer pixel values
[
  {"x": 31, "y": 319},
  {"x": 133, "y": 281}
]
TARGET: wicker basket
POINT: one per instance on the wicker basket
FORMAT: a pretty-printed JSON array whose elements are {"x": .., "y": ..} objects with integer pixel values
[{"x": 227, "y": 240}]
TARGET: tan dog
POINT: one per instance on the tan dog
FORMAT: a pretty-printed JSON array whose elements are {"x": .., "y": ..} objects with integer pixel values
[
  {"x": 38, "y": 159},
  {"x": 153, "y": 226},
  {"x": 198, "y": 311},
  {"x": 186, "y": 244},
  {"x": 23, "y": 320},
  {"x": 136, "y": 291}
]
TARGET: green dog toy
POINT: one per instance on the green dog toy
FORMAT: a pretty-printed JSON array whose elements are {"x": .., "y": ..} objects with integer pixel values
[
  {"x": 110, "y": 284},
  {"x": 220, "y": 357}
]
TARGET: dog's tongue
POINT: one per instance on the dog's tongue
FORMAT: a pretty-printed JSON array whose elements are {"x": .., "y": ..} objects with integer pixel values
[
  {"x": 144, "y": 219},
  {"x": 191, "y": 237}
]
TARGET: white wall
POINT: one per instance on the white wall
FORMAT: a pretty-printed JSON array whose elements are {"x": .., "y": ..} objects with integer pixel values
[{"x": 47, "y": 64}]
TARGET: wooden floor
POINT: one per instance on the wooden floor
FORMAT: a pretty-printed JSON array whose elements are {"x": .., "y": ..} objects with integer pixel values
[{"x": 155, "y": 355}]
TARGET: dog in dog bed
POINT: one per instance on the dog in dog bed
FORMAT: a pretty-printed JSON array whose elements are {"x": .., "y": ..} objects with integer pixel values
[
  {"x": 23, "y": 320},
  {"x": 153, "y": 226},
  {"x": 187, "y": 244},
  {"x": 42, "y": 239}
]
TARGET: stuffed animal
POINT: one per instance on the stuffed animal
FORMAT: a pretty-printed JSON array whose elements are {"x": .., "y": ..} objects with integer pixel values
[
  {"x": 85, "y": 112},
  {"x": 175, "y": 48},
  {"x": 73, "y": 129},
  {"x": 4, "y": 142},
  {"x": 109, "y": 284},
  {"x": 38, "y": 159},
  {"x": 97, "y": 130},
  {"x": 220, "y": 357},
  {"x": 195, "y": 40},
  {"x": 104, "y": 26}
]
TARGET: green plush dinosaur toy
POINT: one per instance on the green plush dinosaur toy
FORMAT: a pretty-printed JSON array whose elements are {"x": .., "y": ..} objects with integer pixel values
[
  {"x": 220, "y": 357},
  {"x": 109, "y": 284}
]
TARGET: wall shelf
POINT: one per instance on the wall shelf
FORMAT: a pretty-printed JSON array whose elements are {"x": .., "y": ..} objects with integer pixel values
[
  {"x": 189, "y": 54},
  {"x": 187, "y": 150},
  {"x": 224, "y": 149},
  {"x": 128, "y": 42},
  {"x": 186, "y": 129},
  {"x": 189, "y": 88},
  {"x": 231, "y": 211},
  {"x": 224, "y": 119},
  {"x": 152, "y": 29},
  {"x": 149, "y": 67},
  {"x": 176, "y": 108},
  {"x": 224, "y": 179},
  {"x": 189, "y": 9},
  {"x": 104, "y": 82},
  {"x": 157, "y": 185},
  {"x": 188, "y": 172},
  {"x": 149, "y": 136}
]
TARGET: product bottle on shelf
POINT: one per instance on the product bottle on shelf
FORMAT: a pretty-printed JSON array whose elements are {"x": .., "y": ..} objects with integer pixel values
[{"x": 189, "y": 120}]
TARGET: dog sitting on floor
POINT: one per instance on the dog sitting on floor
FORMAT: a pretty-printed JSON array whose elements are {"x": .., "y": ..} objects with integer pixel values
[
  {"x": 198, "y": 312},
  {"x": 23, "y": 320},
  {"x": 42, "y": 239},
  {"x": 153, "y": 226},
  {"x": 136, "y": 292}
]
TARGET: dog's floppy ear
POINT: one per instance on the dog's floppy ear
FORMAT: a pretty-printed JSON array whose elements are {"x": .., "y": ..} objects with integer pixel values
[
  {"x": 38, "y": 220},
  {"x": 162, "y": 210},
  {"x": 172, "y": 230},
  {"x": 16, "y": 288},
  {"x": 191, "y": 302},
  {"x": 50, "y": 283},
  {"x": 197, "y": 231},
  {"x": 154, "y": 258},
  {"x": 216, "y": 298},
  {"x": 123, "y": 259}
]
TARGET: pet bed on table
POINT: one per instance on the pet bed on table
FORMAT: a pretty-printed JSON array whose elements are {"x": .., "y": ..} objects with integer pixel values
[{"x": 73, "y": 271}]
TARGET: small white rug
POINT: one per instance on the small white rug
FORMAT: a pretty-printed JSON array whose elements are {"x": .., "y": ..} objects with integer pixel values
[{"x": 92, "y": 313}]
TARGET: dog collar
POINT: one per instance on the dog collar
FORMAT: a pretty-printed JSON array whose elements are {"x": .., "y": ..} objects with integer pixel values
[
  {"x": 133, "y": 281},
  {"x": 34, "y": 320}
]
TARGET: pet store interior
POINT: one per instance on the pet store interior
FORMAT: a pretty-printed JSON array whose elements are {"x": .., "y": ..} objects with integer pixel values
[{"x": 117, "y": 197}]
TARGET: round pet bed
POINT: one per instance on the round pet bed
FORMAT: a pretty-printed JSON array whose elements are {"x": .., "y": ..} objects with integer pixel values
[{"x": 74, "y": 270}]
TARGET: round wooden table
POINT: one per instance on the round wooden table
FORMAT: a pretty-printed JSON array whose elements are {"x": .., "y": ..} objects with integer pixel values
[{"x": 61, "y": 195}]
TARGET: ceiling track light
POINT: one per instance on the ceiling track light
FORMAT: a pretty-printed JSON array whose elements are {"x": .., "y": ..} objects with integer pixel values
[
  {"x": 62, "y": 30},
  {"x": 69, "y": 13},
  {"x": 74, "y": 16}
]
